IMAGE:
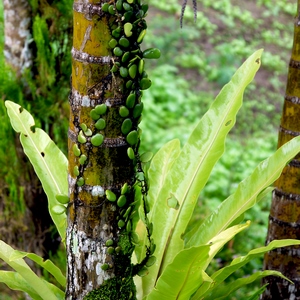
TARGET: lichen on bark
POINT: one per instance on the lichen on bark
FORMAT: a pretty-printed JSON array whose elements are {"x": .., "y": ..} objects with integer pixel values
[{"x": 100, "y": 238}]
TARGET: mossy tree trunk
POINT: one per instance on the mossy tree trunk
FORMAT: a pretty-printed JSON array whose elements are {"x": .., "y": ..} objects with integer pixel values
[
  {"x": 25, "y": 223},
  {"x": 17, "y": 14},
  {"x": 105, "y": 110},
  {"x": 284, "y": 219}
]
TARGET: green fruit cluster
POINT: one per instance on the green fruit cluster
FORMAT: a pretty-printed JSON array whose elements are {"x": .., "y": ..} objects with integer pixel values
[
  {"x": 129, "y": 64},
  {"x": 128, "y": 33}
]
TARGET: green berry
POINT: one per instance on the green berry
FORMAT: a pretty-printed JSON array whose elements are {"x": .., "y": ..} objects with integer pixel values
[
  {"x": 110, "y": 250},
  {"x": 143, "y": 272},
  {"x": 118, "y": 51},
  {"x": 151, "y": 53},
  {"x": 121, "y": 223},
  {"x": 130, "y": 153},
  {"x": 112, "y": 43},
  {"x": 145, "y": 157},
  {"x": 141, "y": 66},
  {"x": 104, "y": 267},
  {"x": 137, "y": 111},
  {"x": 100, "y": 124},
  {"x": 82, "y": 159},
  {"x": 105, "y": 7},
  {"x": 126, "y": 126},
  {"x": 101, "y": 109},
  {"x": 63, "y": 199},
  {"x": 124, "y": 188},
  {"x": 76, "y": 171},
  {"x": 130, "y": 101},
  {"x": 94, "y": 115},
  {"x": 141, "y": 36},
  {"x": 111, "y": 196},
  {"x": 132, "y": 71},
  {"x": 97, "y": 139},
  {"x": 132, "y": 137},
  {"x": 111, "y": 10},
  {"x": 119, "y": 5},
  {"x": 124, "y": 42},
  {"x": 129, "y": 84},
  {"x": 126, "y": 6},
  {"x": 127, "y": 28},
  {"x": 145, "y": 83},
  {"x": 83, "y": 126},
  {"x": 76, "y": 150},
  {"x": 123, "y": 111},
  {"x": 109, "y": 243},
  {"x": 81, "y": 138},
  {"x": 125, "y": 57},
  {"x": 80, "y": 181},
  {"x": 121, "y": 201},
  {"x": 123, "y": 72}
]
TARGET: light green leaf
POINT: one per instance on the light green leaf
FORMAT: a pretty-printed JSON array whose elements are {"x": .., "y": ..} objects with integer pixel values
[
  {"x": 44, "y": 289},
  {"x": 256, "y": 294},
  {"x": 16, "y": 282},
  {"x": 221, "y": 275},
  {"x": 187, "y": 262},
  {"x": 49, "y": 163},
  {"x": 190, "y": 172},
  {"x": 238, "y": 262},
  {"x": 246, "y": 194},
  {"x": 47, "y": 265},
  {"x": 159, "y": 167},
  {"x": 190, "y": 263},
  {"x": 222, "y": 292}
]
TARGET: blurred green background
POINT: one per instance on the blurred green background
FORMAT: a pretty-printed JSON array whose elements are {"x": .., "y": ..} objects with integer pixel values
[{"x": 197, "y": 60}]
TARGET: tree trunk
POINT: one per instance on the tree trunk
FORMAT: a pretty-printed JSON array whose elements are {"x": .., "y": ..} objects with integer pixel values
[
  {"x": 28, "y": 228},
  {"x": 17, "y": 15},
  {"x": 103, "y": 126},
  {"x": 284, "y": 219}
]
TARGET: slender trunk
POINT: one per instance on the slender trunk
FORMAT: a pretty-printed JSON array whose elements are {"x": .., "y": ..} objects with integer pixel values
[
  {"x": 284, "y": 219},
  {"x": 27, "y": 227},
  {"x": 103, "y": 126},
  {"x": 17, "y": 15}
]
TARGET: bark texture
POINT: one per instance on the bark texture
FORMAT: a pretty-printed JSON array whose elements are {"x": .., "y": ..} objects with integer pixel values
[
  {"x": 17, "y": 16},
  {"x": 101, "y": 174},
  {"x": 284, "y": 219}
]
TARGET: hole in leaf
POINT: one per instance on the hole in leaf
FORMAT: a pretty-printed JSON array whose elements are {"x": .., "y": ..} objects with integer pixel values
[
  {"x": 21, "y": 109},
  {"x": 43, "y": 154},
  {"x": 32, "y": 128}
]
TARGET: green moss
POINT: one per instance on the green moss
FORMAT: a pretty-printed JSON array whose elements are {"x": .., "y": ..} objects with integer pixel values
[
  {"x": 125, "y": 243},
  {"x": 121, "y": 288}
]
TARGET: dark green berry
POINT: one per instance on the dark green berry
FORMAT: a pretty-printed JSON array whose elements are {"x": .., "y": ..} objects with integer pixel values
[
  {"x": 101, "y": 109},
  {"x": 124, "y": 42},
  {"x": 137, "y": 111},
  {"x": 118, "y": 51},
  {"x": 121, "y": 201},
  {"x": 100, "y": 124},
  {"x": 130, "y": 101},
  {"x": 111, "y": 10},
  {"x": 112, "y": 43},
  {"x": 126, "y": 126},
  {"x": 123, "y": 111},
  {"x": 124, "y": 72},
  {"x": 132, "y": 137},
  {"x": 97, "y": 139},
  {"x": 145, "y": 83}
]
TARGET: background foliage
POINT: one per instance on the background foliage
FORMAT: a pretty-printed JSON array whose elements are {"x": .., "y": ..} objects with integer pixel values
[{"x": 196, "y": 61}]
